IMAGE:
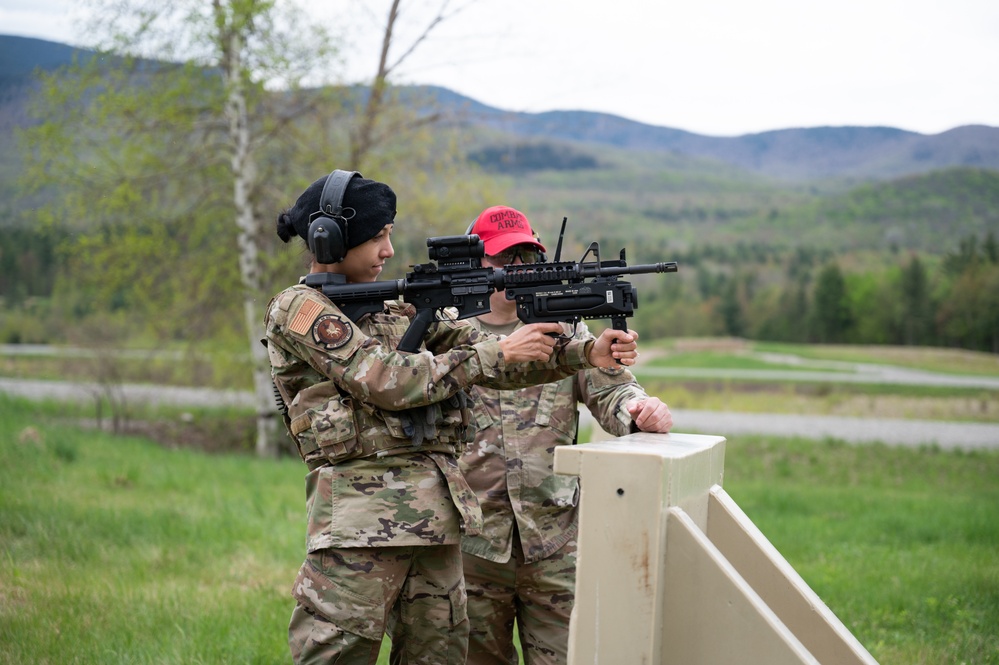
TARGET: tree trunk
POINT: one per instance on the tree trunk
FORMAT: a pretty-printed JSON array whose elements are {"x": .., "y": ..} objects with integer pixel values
[
  {"x": 244, "y": 177},
  {"x": 362, "y": 140}
]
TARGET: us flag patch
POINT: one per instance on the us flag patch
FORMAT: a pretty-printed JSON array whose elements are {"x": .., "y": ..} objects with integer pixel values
[{"x": 307, "y": 314}]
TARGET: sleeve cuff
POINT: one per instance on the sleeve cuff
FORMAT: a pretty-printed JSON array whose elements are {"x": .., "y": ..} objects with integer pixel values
[
  {"x": 575, "y": 354},
  {"x": 491, "y": 359}
]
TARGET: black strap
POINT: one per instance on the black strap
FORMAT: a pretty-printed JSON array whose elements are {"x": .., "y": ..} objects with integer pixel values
[{"x": 331, "y": 200}]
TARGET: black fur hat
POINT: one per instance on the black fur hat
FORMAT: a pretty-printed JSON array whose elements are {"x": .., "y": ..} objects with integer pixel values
[{"x": 372, "y": 202}]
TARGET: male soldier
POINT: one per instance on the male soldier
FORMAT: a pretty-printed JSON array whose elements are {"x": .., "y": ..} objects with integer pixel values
[{"x": 523, "y": 563}]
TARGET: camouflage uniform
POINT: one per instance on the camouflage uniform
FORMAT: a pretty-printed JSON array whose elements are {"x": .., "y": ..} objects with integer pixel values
[
  {"x": 384, "y": 513},
  {"x": 522, "y": 564}
]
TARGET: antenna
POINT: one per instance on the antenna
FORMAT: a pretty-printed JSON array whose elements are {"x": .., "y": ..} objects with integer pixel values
[{"x": 561, "y": 233}]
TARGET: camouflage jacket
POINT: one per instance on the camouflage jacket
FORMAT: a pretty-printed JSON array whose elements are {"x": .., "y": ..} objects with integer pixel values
[
  {"x": 509, "y": 465},
  {"x": 352, "y": 403}
]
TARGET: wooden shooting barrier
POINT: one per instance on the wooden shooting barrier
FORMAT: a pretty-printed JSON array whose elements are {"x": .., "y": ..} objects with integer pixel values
[{"x": 672, "y": 572}]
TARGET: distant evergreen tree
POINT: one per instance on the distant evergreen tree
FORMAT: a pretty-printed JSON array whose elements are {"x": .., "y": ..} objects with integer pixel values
[
  {"x": 916, "y": 305},
  {"x": 966, "y": 256},
  {"x": 969, "y": 315},
  {"x": 731, "y": 310},
  {"x": 991, "y": 247},
  {"x": 799, "y": 314},
  {"x": 27, "y": 260},
  {"x": 800, "y": 265},
  {"x": 707, "y": 285},
  {"x": 524, "y": 157},
  {"x": 831, "y": 316}
]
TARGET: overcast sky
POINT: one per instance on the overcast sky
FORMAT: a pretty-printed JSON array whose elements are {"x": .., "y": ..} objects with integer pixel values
[{"x": 717, "y": 67}]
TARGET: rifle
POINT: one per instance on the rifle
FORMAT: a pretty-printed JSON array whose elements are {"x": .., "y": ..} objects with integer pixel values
[{"x": 545, "y": 292}]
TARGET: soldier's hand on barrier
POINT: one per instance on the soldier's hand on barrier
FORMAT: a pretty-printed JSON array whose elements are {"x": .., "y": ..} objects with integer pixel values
[
  {"x": 651, "y": 415},
  {"x": 531, "y": 342},
  {"x": 613, "y": 346}
]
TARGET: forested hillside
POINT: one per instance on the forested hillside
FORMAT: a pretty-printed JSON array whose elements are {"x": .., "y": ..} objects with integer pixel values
[
  {"x": 924, "y": 212},
  {"x": 824, "y": 234},
  {"x": 908, "y": 261}
]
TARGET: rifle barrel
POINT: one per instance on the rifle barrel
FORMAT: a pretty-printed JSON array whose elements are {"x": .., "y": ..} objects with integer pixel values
[
  {"x": 598, "y": 270},
  {"x": 550, "y": 273}
]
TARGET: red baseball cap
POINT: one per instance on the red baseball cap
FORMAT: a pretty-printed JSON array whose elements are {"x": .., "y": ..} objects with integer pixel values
[{"x": 502, "y": 227}]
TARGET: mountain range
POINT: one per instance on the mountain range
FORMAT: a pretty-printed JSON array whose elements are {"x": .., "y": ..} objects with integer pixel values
[
  {"x": 786, "y": 154},
  {"x": 793, "y": 154}
]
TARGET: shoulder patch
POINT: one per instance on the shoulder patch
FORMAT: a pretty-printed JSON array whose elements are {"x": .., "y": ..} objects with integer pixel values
[
  {"x": 305, "y": 317},
  {"x": 331, "y": 331}
]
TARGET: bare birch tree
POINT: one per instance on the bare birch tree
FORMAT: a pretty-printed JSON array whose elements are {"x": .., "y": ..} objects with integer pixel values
[
  {"x": 181, "y": 103},
  {"x": 202, "y": 69},
  {"x": 364, "y": 138},
  {"x": 233, "y": 29}
]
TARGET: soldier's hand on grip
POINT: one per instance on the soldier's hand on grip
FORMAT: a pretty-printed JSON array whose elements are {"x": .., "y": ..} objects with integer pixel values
[
  {"x": 530, "y": 342},
  {"x": 614, "y": 348}
]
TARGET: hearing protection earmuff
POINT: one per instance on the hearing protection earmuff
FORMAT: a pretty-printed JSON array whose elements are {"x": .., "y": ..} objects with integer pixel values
[{"x": 328, "y": 225}]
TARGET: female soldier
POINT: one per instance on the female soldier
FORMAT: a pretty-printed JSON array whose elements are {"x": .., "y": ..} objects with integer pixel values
[{"x": 386, "y": 510}]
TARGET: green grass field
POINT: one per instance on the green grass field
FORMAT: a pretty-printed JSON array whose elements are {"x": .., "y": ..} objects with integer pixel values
[
  {"x": 901, "y": 544},
  {"x": 181, "y": 548},
  {"x": 119, "y": 550}
]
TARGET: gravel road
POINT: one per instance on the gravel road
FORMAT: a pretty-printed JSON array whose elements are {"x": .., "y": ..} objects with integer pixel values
[
  {"x": 134, "y": 393},
  {"x": 948, "y": 435},
  {"x": 891, "y": 431},
  {"x": 858, "y": 373}
]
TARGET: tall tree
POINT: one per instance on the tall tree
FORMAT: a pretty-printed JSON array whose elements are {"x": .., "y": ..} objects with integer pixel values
[
  {"x": 186, "y": 93},
  {"x": 236, "y": 25},
  {"x": 376, "y": 121},
  {"x": 830, "y": 307},
  {"x": 190, "y": 124},
  {"x": 916, "y": 304},
  {"x": 969, "y": 314},
  {"x": 730, "y": 308},
  {"x": 990, "y": 247}
]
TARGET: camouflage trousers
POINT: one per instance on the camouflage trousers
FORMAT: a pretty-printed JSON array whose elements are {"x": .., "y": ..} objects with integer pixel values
[
  {"x": 349, "y": 598},
  {"x": 539, "y": 595}
]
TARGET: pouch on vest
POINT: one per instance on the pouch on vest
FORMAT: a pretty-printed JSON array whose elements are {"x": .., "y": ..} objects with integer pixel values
[{"x": 327, "y": 429}]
